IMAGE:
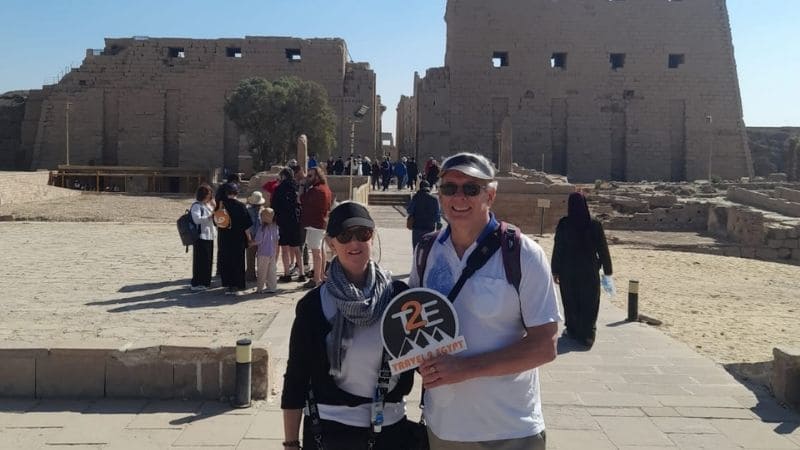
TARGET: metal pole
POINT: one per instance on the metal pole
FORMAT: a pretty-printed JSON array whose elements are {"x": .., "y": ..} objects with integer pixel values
[
  {"x": 633, "y": 301},
  {"x": 541, "y": 223},
  {"x": 244, "y": 370},
  {"x": 352, "y": 149},
  {"x": 710, "y": 120},
  {"x": 66, "y": 128}
]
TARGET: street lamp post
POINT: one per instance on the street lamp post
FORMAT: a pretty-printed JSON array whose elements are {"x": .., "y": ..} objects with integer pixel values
[
  {"x": 710, "y": 120},
  {"x": 66, "y": 132},
  {"x": 357, "y": 116}
]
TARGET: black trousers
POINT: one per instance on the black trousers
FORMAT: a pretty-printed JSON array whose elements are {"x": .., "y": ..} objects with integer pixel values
[
  {"x": 202, "y": 258},
  {"x": 338, "y": 436}
]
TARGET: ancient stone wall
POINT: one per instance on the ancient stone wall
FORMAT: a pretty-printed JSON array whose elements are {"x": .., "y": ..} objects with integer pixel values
[
  {"x": 601, "y": 89},
  {"x": 406, "y": 126},
  {"x": 163, "y": 371},
  {"x": 753, "y": 236},
  {"x": 12, "y": 113},
  {"x": 518, "y": 202},
  {"x": 159, "y": 101},
  {"x": 432, "y": 95},
  {"x": 763, "y": 201},
  {"x": 679, "y": 217}
]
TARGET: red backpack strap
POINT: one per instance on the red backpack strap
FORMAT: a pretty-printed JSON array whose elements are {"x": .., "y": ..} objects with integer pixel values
[
  {"x": 422, "y": 251},
  {"x": 511, "y": 245}
]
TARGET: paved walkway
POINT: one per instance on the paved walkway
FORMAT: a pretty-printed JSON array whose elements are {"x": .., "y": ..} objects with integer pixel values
[{"x": 636, "y": 389}]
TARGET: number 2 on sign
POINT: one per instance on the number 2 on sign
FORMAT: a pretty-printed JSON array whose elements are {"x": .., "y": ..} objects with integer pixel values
[
  {"x": 414, "y": 322},
  {"x": 417, "y": 310}
]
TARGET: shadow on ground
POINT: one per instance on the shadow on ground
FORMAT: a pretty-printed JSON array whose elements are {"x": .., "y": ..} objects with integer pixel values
[
  {"x": 190, "y": 410},
  {"x": 185, "y": 298},
  {"x": 151, "y": 286},
  {"x": 756, "y": 377}
]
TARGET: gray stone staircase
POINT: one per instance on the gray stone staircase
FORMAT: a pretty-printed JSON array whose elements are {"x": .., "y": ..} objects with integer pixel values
[{"x": 390, "y": 198}]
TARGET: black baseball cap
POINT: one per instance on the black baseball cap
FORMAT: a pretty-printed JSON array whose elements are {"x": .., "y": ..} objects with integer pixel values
[
  {"x": 424, "y": 186},
  {"x": 347, "y": 215},
  {"x": 470, "y": 164}
]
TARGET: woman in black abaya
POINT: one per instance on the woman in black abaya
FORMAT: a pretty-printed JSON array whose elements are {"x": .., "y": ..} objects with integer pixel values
[
  {"x": 579, "y": 252},
  {"x": 234, "y": 240}
]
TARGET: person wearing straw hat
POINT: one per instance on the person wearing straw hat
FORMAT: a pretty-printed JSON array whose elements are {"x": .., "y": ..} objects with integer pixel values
[{"x": 255, "y": 203}]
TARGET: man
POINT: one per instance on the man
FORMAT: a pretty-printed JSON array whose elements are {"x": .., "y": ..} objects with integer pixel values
[
  {"x": 413, "y": 173},
  {"x": 424, "y": 212},
  {"x": 338, "y": 166},
  {"x": 400, "y": 172},
  {"x": 386, "y": 172},
  {"x": 487, "y": 396}
]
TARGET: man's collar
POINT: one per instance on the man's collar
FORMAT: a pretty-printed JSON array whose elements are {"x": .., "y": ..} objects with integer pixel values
[{"x": 487, "y": 230}]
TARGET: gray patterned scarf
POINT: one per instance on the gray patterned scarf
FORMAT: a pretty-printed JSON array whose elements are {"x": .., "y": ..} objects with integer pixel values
[{"x": 353, "y": 307}]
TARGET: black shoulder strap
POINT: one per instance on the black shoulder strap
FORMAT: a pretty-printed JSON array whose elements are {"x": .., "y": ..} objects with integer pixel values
[
  {"x": 476, "y": 260},
  {"x": 511, "y": 250},
  {"x": 422, "y": 251},
  {"x": 316, "y": 422}
]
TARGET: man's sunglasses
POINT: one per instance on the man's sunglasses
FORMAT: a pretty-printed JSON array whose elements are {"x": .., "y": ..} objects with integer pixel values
[
  {"x": 361, "y": 234},
  {"x": 469, "y": 189}
]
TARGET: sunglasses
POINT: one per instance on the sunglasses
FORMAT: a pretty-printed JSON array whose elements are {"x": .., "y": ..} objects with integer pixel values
[
  {"x": 469, "y": 189},
  {"x": 361, "y": 234}
]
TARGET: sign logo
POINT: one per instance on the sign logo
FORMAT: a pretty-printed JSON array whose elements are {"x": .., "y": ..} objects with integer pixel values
[{"x": 419, "y": 324}]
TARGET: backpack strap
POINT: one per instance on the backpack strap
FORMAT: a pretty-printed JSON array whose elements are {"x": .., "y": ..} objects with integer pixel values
[
  {"x": 480, "y": 256},
  {"x": 422, "y": 251},
  {"x": 511, "y": 247}
]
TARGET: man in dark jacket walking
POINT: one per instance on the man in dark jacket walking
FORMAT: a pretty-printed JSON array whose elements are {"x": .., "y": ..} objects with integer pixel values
[
  {"x": 424, "y": 212},
  {"x": 413, "y": 173}
]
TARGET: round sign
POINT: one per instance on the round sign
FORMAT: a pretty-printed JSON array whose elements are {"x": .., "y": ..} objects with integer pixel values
[{"x": 419, "y": 323}]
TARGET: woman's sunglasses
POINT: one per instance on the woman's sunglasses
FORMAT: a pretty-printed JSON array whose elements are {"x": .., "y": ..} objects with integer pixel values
[
  {"x": 361, "y": 234},
  {"x": 469, "y": 189}
]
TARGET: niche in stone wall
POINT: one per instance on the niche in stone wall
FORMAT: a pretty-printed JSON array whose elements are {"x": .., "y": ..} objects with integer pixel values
[
  {"x": 500, "y": 59},
  {"x": 558, "y": 61}
]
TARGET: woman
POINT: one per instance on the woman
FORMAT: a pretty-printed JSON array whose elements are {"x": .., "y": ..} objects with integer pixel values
[
  {"x": 316, "y": 203},
  {"x": 287, "y": 215},
  {"x": 579, "y": 252},
  {"x": 203, "y": 249},
  {"x": 335, "y": 346},
  {"x": 234, "y": 240}
]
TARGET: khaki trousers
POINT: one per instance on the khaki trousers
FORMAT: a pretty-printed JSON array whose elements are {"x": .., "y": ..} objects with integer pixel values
[
  {"x": 535, "y": 442},
  {"x": 267, "y": 272}
]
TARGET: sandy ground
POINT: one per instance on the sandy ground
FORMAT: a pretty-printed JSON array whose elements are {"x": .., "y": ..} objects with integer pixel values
[{"x": 123, "y": 279}]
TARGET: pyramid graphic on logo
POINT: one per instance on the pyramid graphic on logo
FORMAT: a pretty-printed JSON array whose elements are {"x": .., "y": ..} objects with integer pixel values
[{"x": 422, "y": 340}]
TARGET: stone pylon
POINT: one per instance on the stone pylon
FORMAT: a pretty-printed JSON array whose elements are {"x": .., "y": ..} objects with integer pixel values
[
  {"x": 505, "y": 157},
  {"x": 302, "y": 151}
]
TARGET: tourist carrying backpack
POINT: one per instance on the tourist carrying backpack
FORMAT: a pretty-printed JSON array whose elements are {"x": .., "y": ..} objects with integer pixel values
[{"x": 203, "y": 248}]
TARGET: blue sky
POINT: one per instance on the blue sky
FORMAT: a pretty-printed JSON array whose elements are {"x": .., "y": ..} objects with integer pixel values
[{"x": 39, "y": 38}]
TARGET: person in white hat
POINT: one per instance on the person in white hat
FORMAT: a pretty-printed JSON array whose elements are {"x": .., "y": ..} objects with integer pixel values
[
  {"x": 255, "y": 203},
  {"x": 487, "y": 396}
]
